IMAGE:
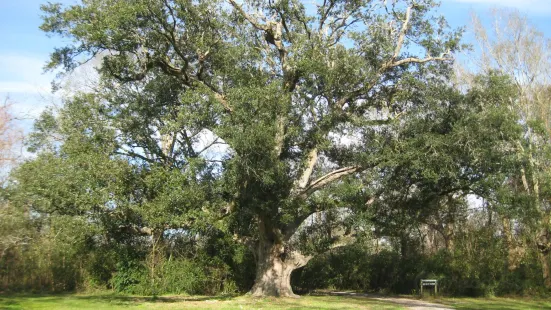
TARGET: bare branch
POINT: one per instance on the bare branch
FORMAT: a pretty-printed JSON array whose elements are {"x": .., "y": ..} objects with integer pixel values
[{"x": 215, "y": 141}]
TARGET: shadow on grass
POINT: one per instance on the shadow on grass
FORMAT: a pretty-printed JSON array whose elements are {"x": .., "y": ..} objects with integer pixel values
[
  {"x": 15, "y": 301},
  {"x": 124, "y": 299}
]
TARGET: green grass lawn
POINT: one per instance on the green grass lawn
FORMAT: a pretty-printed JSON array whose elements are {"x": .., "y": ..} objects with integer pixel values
[
  {"x": 115, "y": 301},
  {"x": 99, "y": 302},
  {"x": 496, "y": 303}
]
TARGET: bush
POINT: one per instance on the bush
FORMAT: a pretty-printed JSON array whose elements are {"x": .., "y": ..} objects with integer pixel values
[
  {"x": 476, "y": 267},
  {"x": 175, "y": 276}
]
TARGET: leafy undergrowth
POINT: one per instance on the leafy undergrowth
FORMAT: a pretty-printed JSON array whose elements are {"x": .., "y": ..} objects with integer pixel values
[
  {"x": 496, "y": 303},
  {"x": 99, "y": 302}
]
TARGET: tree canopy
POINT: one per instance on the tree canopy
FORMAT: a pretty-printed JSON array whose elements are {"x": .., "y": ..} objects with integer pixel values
[{"x": 290, "y": 127}]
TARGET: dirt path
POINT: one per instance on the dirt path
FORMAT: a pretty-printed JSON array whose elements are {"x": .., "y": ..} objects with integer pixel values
[{"x": 411, "y": 304}]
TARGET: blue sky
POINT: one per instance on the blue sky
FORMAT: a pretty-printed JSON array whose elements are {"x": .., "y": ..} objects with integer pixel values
[
  {"x": 458, "y": 12},
  {"x": 24, "y": 49}
]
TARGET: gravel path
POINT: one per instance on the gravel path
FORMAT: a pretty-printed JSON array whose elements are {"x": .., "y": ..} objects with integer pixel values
[{"x": 411, "y": 304}]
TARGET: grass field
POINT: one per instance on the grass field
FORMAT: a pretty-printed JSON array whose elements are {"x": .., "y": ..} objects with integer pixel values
[
  {"x": 113, "y": 301},
  {"x": 497, "y": 303},
  {"x": 100, "y": 302}
]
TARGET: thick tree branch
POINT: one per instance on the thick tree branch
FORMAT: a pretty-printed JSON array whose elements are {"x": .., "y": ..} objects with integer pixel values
[
  {"x": 298, "y": 259},
  {"x": 132, "y": 154},
  {"x": 400, "y": 43},
  {"x": 170, "y": 69},
  {"x": 291, "y": 229},
  {"x": 135, "y": 229},
  {"x": 402, "y": 35},
  {"x": 312, "y": 159},
  {"x": 342, "y": 241},
  {"x": 353, "y": 95},
  {"x": 249, "y": 18},
  {"x": 326, "y": 11},
  {"x": 443, "y": 57},
  {"x": 206, "y": 147},
  {"x": 327, "y": 179}
]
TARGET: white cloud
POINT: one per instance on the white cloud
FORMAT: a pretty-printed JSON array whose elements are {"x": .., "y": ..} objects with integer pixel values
[
  {"x": 22, "y": 67},
  {"x": 22, "y": 87},
  {"x": 23, "y": 74},
  {"x": 22, "y": 81}
]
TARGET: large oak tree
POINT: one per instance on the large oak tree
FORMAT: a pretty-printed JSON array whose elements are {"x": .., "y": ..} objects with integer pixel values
[{"x": 267, "y": 116}]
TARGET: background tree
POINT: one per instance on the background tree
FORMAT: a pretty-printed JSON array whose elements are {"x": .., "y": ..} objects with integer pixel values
[
  {"x": 516, "y": 48},
  {"x": 10, "y": 139}
]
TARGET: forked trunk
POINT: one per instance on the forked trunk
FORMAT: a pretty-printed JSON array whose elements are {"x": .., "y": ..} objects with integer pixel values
[
  {"x": 273, "y": 273},
  {"x": 273, "y": 270}
]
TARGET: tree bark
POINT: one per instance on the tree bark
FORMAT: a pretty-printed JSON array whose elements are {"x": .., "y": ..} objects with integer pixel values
[
  {"x": 274, "y": 264},
  {"x": 545, "y": 268},
  {"x": 544, "y": 253},
  {"x": 449, "y": 237},
  {"x": 512, "y": 259},
  {"x": 273, "y": 272}
]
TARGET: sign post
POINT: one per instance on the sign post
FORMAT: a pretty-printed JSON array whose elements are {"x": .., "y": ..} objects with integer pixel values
[{"x": 433, "y": 283}]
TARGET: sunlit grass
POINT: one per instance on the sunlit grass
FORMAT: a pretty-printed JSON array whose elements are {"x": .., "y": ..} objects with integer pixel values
[
  {"x": 85, "y": 302},
  {"x": 497, "y": 303},
  {"x": 117, "y": 301}
]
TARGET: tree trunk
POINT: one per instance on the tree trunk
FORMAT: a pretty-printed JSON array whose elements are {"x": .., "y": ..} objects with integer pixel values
[
  {"x": 274, "y": 265},
  {"x": 544, "y": 251},
  {"x": 273, "y": 274},
  {"x": 275, "y": 262},
  {"x": 449, "y": 236},
  {"x": 545, "y": 268},
  {"x": 512, "y": 261}
]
